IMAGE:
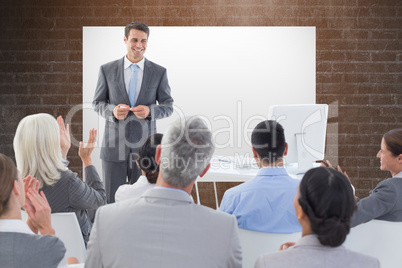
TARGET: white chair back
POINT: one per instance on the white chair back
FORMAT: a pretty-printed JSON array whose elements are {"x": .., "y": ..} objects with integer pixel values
[
  {"x": 68, "y": 230},
  {"x": 380, "y": 239},
  {"x": 255, "y": 244}
]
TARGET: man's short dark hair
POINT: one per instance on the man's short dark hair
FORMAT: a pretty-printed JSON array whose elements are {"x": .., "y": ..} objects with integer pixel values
[
  {"x": 140, "y": 26},
  {"x": 268, "y": 140}
]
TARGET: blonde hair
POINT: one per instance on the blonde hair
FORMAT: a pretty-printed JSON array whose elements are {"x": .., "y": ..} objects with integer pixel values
[{"x": 37, "y": 148}]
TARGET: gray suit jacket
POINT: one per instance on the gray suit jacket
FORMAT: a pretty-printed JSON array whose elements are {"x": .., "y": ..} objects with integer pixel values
[
  {"x": 164, "y": 228},
  {"x": 383, "y": 203},
  {"x": 309, "y": 253},
  {"x": 121, "y": 136},
  {"x": 70, "y": 194},
  {"x": 18, "y": 250}
]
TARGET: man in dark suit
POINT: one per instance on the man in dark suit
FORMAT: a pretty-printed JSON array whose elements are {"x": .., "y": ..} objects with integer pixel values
[{"x": 131, "y": 93}]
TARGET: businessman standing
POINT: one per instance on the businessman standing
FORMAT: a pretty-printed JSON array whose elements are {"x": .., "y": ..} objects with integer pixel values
[{"x": 131, "y": 93}]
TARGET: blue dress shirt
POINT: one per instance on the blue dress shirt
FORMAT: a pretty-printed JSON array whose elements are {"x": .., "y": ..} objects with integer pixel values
[{"x": 264, "y": 203}]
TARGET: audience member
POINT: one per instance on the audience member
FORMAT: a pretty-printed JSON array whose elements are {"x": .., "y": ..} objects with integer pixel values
[
  {"x": 41, "y": 145},
  {"x": 264, "y": 203},
  {"x": 20, "y": 246},
  {"x": 385, "y": 201},
  {"x": 324, "y": 206},
  {"x": 164, "y": 228},
  {"x": 149, "y": 169}
]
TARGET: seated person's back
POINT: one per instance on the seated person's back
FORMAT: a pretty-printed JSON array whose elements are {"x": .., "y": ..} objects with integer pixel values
[
  {"x": 164, "y": 228},
  {"x": 41, "y": 145},
  {"x": 149, "y": 169},
  {"x": 324, "y": 206},
  {"x": 30, "y": 250},
  {"x": 265, "y": 203},
  {"x": 20, "y": 244}
]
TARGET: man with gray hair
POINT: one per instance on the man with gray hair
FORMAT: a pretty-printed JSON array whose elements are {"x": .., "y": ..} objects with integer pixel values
[{"x": 164, "y": 228}]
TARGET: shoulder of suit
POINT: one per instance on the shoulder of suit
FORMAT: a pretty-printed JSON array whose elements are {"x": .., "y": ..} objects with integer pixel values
[
  {"x": 362, "y": 259},
  {"x": 393, "y": 184},
  {"x": 154, "y": 65},
  {"x": 115, "y": 208},
  {"x": 214, "y": 213},
  {"x": 51, "y": 241},
  {"x": 38, "y": 241},
  {"x": 68, "y": 175},
  {"x": 113, "y": 62}
]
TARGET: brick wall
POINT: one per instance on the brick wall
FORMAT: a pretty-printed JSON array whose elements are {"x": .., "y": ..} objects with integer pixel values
[{"x": 359, "y": 50}]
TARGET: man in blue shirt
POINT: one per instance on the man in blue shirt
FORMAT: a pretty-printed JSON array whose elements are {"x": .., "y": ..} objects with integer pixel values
[{"x": 265, "y": 203}]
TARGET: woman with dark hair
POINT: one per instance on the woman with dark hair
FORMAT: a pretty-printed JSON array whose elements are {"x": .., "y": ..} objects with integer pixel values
[
  {"x": 385, "y": 201},
  {"x": 149, "y": 168},
  {"x": 324, "y": 206},
  {"x": 20, "y": 246}
]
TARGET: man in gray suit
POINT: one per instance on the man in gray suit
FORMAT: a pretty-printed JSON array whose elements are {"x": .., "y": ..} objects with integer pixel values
[
  {"x": 164, "y": 228},
  {"x": 126, "y": 96}
]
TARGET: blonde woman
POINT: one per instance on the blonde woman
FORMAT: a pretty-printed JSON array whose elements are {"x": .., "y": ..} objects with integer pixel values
[{"x": 41, "y": 145}]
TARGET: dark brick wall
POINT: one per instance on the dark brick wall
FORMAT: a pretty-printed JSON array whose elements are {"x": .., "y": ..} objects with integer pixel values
[{"x": 359, "y": 50}]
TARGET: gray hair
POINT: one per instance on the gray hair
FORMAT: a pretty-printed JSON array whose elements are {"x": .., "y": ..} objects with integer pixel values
[
  {"x": 37, "y": 148},
  {"x": 187, "y": 148}
]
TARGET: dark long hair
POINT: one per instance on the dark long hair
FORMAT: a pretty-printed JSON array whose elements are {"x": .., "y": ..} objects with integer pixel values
[
  {"x": 326, "y": 196},
  {"x": 8, "y": 174},
  {"x": 146, "y": 157}
]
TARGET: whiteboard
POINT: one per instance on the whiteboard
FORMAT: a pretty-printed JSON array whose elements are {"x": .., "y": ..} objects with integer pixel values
[{"x": 228, "y": 75}]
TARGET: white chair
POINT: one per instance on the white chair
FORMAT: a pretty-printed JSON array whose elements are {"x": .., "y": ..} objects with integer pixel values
[
  {"x": 380, "y": 239},
  {"x": 256, "y": 243},
  {"x": 68, "y": 230}
]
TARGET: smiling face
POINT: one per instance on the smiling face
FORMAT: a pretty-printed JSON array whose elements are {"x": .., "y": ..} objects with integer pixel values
[
  {"x": 388, "y": 160},
  {"x": 136, "y": 43}
]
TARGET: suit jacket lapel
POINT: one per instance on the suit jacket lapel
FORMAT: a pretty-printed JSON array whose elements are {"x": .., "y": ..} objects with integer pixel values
[
  {"x": 148, "y": 73},
  {"x": 119, "y": 71}
]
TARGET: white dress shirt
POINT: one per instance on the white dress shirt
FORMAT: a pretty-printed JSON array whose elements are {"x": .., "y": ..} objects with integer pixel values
[
  {"x": 18, "y": 226},
  {"x": 133, "y": 191}
]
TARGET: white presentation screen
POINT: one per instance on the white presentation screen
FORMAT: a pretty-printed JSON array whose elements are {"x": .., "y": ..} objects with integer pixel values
[{"x": 228, "y": 75}]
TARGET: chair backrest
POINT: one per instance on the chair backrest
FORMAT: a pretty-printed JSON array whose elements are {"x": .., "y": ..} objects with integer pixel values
[
  {"x": 380, "y": 239},
  {"x": 68, "y": 230},
  {"x": 255, "y": 244}
]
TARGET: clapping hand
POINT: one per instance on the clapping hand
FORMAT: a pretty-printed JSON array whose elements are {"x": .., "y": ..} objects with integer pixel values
[
  {"x": 65, "y": 141},
  {"x": 326, "y": 163},
  {"x": 86, "y": 150},
  {"x": 37, "y": 207}
]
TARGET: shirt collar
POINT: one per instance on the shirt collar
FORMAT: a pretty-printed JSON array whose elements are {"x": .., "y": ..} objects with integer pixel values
[
  {"x": 172, "y": 189},
  {"x": 127, "y": 63},
  {"x": 16, "y": 226},
  {"x": 272, "y": 171},
  {"x": 399, "y": 175},
  {"x": 142, "y": 180}
]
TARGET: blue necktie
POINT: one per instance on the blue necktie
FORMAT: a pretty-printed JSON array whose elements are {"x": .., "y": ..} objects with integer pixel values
[{"x": 133, "y": 84}]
